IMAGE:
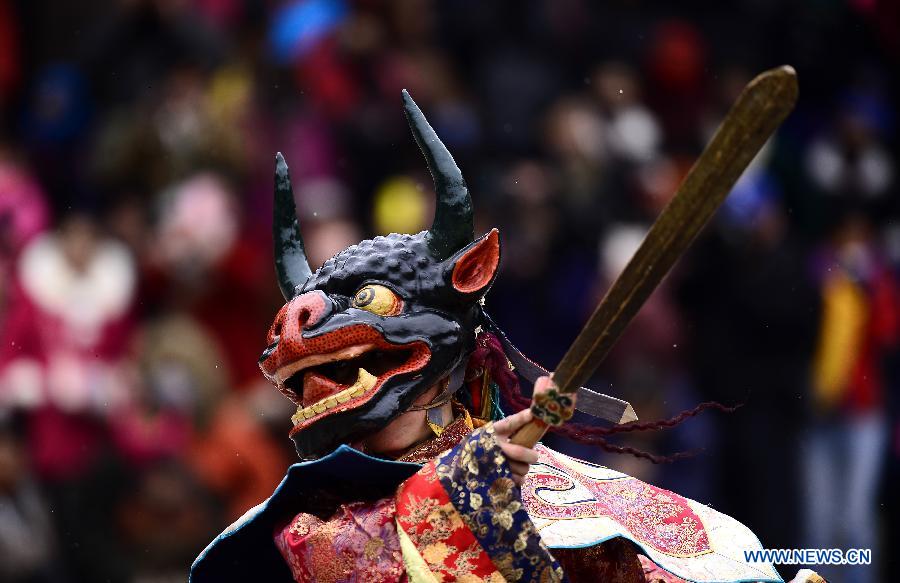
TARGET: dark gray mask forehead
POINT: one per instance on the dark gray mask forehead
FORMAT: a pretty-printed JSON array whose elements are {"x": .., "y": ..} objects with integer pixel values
[{"x": 404, "y": 261}]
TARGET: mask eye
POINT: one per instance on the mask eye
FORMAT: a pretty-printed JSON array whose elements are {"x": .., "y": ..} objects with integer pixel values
[{"x": 377, "y": 299}]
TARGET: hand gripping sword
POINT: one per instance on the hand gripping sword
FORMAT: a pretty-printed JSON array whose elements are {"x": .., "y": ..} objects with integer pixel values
[{"x": 761, "y": 107}]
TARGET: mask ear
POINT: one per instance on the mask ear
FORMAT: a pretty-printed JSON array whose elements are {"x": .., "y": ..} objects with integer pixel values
[{"x": 475, "y": 266}]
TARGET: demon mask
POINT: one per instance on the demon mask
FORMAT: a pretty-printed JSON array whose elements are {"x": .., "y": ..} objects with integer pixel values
[{"x": 382, "y": 321}]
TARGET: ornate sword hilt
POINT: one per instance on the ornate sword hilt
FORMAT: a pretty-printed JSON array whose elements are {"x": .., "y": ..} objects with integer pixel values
[{"x": 550, "y": 407}]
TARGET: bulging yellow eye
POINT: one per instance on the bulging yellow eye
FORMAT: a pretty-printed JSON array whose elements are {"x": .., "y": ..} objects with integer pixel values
[{"x": 377, "y": 299}]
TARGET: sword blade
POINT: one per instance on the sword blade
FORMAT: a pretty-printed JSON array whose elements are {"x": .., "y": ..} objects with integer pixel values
[
  {"x": 757, "y": 113},
  {"x": 605, "y": 407}
]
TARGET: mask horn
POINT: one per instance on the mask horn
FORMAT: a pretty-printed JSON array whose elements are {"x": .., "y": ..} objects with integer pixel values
[
  {"x": 454, "y": 226},
  {"x": 290, "y": 256}
]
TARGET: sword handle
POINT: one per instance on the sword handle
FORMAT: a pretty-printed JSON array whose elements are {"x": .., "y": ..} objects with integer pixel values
[
  {"x": 530, "y": 434},
  {"x": 550, "y": 406}
]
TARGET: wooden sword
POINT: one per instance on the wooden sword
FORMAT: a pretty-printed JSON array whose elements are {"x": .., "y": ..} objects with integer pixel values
[{"x": 761, "y": 107}]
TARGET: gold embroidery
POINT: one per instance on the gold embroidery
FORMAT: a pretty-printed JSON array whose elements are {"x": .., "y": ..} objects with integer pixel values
[
  {"x": 373, "y": 547},
  {"x": 475, "y": 500},
  {"x": 465, "y": 560},
  {"x": 493, "y": 513},
  {"x": 416, "y": 569},
  {"x": 521, "y": 542},
  {"x": 436, "y": 553},
  {"x": 304, "y": 523},
  {"x": 359, "y": 539}
]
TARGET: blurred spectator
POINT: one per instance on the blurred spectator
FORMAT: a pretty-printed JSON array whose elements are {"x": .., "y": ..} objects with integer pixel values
[
  {"x": 844, "y": 451},
  {"x": 27, "y": 540},
  {"x": 9, "y": 53},
  {"x": 23, "y": 215},
  {"x": 66, "y": 334},
  {"x": 851, "y": 161},
  {"x": 54, "y": 121},
  {"x": 237, "y": 457},
  {"x": 753, "y": 313},
  {"x": 634, "y": 132},
  {"x": 198, "y": 263},
  {"x": 676, "y": 60},
  {"x": 163, "y": 520}
]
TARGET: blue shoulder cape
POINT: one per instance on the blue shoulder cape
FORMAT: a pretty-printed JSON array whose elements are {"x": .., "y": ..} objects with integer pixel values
[{"x": 245, "y": 551}]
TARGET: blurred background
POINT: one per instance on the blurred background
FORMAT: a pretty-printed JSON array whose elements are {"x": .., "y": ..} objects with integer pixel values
[{"x": 136, "y": 282}]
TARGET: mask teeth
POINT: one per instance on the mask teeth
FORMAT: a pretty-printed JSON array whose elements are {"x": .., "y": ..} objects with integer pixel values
[{"x": 365, "y": 381}]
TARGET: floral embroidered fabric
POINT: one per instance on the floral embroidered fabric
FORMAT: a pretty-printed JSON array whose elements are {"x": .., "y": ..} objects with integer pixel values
[
  {"x": 466, "y": 520},
  {"x": 660, "y": 518},
  {"x": 464, "y": 507},
  {"x": 359, "y": 544},
  {"x": 576, "y": 504}
]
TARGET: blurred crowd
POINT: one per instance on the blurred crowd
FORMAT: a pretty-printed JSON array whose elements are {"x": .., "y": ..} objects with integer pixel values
[{"x": 136, "y": 283}]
